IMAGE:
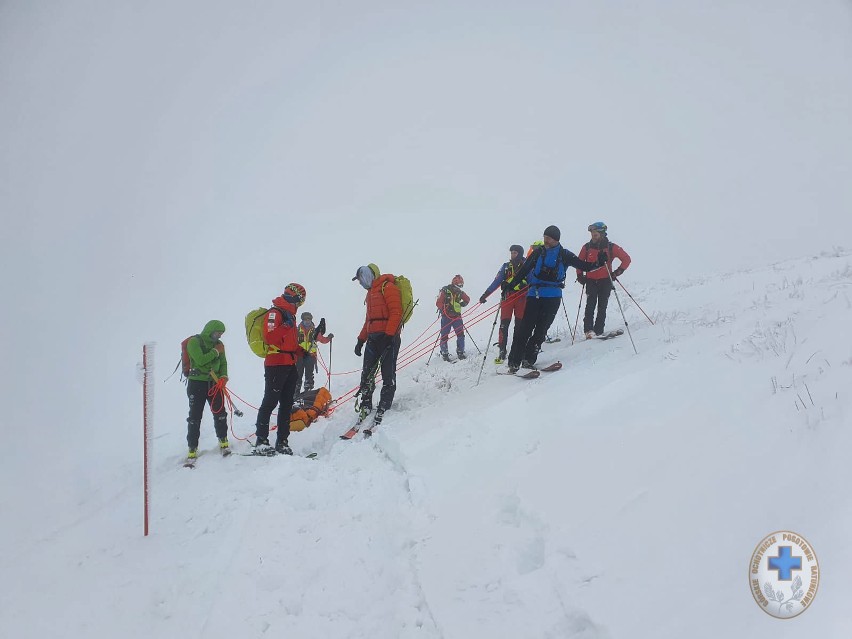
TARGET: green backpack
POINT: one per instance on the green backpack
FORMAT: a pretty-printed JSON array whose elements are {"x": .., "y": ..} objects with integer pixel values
[
  {"x": 254, "y": 332},
  {"x": 407, "y": 295}
]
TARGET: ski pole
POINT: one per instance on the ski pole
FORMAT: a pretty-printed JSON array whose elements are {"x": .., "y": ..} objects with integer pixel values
[
  {"x": 436, "y": 343},
  {"x": 330, "y": 344},
  {"x": 634, "y": 301},
  {"x": 488, "y": 345},
  {"x": 471, "y": 339},
  {"x": 620, "y": 308},
  {"x": 579, "y": 305},
  {"x": 565, "y": 310}
]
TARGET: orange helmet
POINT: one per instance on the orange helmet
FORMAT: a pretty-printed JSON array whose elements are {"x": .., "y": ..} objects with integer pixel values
[
  {"x": 458, "y": 280},
  {"x": 296, "y": 290}
]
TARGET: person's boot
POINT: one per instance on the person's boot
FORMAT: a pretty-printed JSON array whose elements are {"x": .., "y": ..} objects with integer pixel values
[
  {"x": 262, "y": 446},
  {"x": 501, "y": 356},
  {"x": 445, "y": 356},
  {"x": 224, "y": 447},
  {"x": 282, "y": 447},
  {"x": 461, "y": 355},
  {"x": 590, "y": 335}
]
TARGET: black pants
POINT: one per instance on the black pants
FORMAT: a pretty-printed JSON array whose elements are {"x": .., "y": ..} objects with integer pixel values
[
  {"x": 279, "y": 388},
  {"x": 597, "y": 293},
  {"x": 371, "y": 365},
  {"x": 305, "y": 368},
  {"x": 197, "y": 392},
  {"x": 531, "y": 331}
]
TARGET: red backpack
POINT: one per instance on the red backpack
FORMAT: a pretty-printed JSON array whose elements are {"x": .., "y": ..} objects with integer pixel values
[{"x": 184, "y": 357}]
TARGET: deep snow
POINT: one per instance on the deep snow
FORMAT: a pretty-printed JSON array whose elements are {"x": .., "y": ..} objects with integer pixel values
[{"x": 618, "y": 498}]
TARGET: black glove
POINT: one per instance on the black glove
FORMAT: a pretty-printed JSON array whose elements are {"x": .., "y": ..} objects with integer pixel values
[
  {"x": 321, "y": 327},
  {"x": 581, "y": 278},
  {"x": 330, "y": 336},
  {"x": 358, "y": 347},
  {"x": 483, "y": 299},
  {"x": 617, "y": 272},
  {"x": 601, "y": 258}
]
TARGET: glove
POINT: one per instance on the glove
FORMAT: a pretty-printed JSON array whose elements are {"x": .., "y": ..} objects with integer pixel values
[
  {"x": 617, "y": 272},
  {"x": 581, "y": 279},
  {"x": 219, "y": 347},
  {"x": 358, "y": 347},
  {"x": 330, "y": 336},
  {"x": 321, "y": 327},
  {"x": 483, "y": 299},
  {"x": 601, "y": 258}
]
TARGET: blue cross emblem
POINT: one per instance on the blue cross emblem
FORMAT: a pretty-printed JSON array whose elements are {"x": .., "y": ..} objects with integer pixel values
[{"x": 785, "y": 563}]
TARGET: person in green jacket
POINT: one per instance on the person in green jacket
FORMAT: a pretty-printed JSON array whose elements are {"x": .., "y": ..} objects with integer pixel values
[{"x": 207, "y": 364}]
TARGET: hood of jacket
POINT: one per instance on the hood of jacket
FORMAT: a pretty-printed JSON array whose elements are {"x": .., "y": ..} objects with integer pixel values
[{"x": 211, "y": 327}]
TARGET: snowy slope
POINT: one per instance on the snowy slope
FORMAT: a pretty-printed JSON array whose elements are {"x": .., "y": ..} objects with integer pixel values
[{"x": 620, "y": 498}]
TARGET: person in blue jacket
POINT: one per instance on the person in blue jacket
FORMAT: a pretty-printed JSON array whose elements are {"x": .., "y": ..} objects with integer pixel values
[{"x": 544, "y": 270}]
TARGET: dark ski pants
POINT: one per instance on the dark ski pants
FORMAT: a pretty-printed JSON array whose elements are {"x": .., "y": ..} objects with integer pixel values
[
  {"x": 373, "y": 361},
  {"x": 197, "y": 391},
  {"x": 305, "y": 367},
  {"x": 454, "y": 324},
  {"x": 531, "y": 331},
  {"x": 508, "y": 307},
  {"x": 597, "y": 293},
  {"x": 279, "y": 388}
]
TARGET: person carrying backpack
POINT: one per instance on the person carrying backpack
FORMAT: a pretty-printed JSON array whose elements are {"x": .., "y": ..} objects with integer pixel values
[
  {"x": 207, "y": 363},
  {"x": 380, "y": 334},
  {"x": 598, "y": 286},
  {"x": 309, "y": 335},
  {"x": 280, "y": 374},
  {"x": 514, "y": 301},
  {"x": 451, "y": 300},
  {"x": 544, "y": 271}
]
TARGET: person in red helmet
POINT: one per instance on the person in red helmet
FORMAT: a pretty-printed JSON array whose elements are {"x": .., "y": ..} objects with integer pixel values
[
  {"x": 598, "y": 286},
  {"x": 281, "y": 335},
  {"x": 450, "y": 302}
]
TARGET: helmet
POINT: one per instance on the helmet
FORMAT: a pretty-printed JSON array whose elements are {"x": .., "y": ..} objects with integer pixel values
[
  {"x": 458, "y": 280},
  {"x": 307, "y": 316},
  {"x": 600, "y": 227},
  {"x": 297, "y": 291}
]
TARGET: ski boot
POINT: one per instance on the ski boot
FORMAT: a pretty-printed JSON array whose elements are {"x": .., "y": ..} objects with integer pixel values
[
  {"x": 528, "y": 364},
  {"x": 224, "y": 447},
  {"x": 461, "y": 355},
  {"x": 501, "y": 356},
  {"x": 282, "y": 447},
  {"x": 445, "y": 357}
]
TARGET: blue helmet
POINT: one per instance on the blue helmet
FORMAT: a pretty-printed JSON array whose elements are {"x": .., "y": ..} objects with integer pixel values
[{"x": 600, "y": 227}]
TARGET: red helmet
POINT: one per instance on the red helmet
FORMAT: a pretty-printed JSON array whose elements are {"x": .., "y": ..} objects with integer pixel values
[
  {"x": 296, "y": 290},
  {"x": 458, "y": 280}
]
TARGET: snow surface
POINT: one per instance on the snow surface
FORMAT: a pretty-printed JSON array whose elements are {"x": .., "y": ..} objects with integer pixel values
[{"x": 618, "y": 498}]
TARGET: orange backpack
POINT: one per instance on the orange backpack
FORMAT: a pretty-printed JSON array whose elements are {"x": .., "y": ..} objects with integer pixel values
[{"x": 304, "y": 416}]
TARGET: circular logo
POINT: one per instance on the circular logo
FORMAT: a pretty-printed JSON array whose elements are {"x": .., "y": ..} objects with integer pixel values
[{"x": 783, "y": 574}]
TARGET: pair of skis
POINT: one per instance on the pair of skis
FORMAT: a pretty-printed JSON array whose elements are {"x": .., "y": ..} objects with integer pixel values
[
  {"x": 536, "y": 372},
  {"x": 368, "y": 432}
]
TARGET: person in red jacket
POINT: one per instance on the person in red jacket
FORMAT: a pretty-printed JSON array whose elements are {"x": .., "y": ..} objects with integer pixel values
[
  {"x": 280, "y": 374},
  {"x": 598, "y": 286},
  {"x": 380, "y": 333},
  {"x": 450, "y": 301}
]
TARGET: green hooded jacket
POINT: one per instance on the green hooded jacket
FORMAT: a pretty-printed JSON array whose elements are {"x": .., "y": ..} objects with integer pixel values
[{"x": 203, "y": 357}]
